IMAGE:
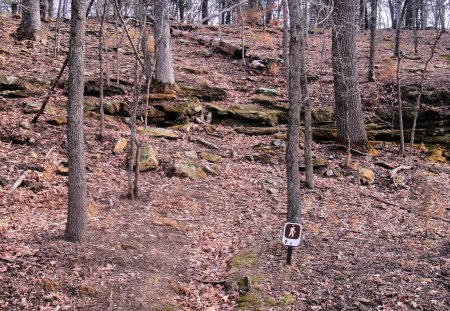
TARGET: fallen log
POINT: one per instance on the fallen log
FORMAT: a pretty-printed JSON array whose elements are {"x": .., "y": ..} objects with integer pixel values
[{"x": 223, "y": 46}]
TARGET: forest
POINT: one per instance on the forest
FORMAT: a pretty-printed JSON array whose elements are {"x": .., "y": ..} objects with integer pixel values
[{"x": 224, "y": 155}]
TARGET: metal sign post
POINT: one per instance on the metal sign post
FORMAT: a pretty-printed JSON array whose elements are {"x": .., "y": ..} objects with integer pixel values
[{"x": 292, "y": 237}]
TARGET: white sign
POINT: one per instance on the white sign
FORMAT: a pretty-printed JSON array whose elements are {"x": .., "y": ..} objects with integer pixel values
[{"x": 292, "y": 234}]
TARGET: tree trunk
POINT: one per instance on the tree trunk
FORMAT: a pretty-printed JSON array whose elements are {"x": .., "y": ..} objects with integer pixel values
[
  {"x": 293, "y": 175},
  {"x": 76, "y": 216},
  {"x": 285, "y": 39},
  {"x": 373, "y": 28},
  {"x": 307, "y": 105},
  {"x": 44, "y": 9},
  {"x": 30, "y": 26},
  {"x": 164, "y": 78},
  {"x": 392, "y": 13},
  {"x": 50, "y": 8},
  {"x": 181, "y": 7},
  {"x": 348, "y": 111},
  {"x": 205, "y": 11}
]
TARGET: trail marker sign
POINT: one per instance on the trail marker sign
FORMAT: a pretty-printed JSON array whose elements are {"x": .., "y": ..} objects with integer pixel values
[{"x": 292, "y": 234}]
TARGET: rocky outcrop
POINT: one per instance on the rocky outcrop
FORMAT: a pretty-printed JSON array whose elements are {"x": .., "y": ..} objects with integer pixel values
[
  {"x": 187, "y": 169},
  {"x": 204, "y": 92},
  {"x": 15, "y": 87}
]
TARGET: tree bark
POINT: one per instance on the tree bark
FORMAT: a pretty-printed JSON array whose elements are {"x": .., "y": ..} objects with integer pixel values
[
  {"x": 204, "y": 11},
  {"x": 76, "y": 216},
  {"x": 373, "y": 29},
  {"x": 292, "y": 151},
  {"x": 392, "y": 13},
  {"x": 50, "y": 8},
  {"x": 348, "y": 111},
  {"x": 164, "y": 77},
  {"x": 44, "y": 9},
  {"x": 14, "y": 8},
  {"x": 30, "y": 26}
]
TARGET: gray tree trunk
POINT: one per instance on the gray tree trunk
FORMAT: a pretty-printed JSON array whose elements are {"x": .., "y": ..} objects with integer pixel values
[
  {"x": 44, "y": 9},
  {"x": 373, "y": 28},
  {"x": 30, "y": 26},
  {"x": 348, "y": 111},
  {"x": 76, "y": 216},
  {"x": 50, "y": 8},
  {"x": 292, "y": 152},
  {"x": 205, "y": 11},
  {"x": 309, "y": 170},
  {"x": 164, "y": 66}
]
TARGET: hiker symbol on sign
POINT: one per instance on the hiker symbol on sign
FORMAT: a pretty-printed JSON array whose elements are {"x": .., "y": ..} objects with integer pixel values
[{"x": 292, "y": 234}]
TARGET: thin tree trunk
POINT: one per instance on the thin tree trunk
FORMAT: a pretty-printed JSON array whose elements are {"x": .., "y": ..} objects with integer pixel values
[
  {"x": 58, "y": 28},
  {"x": 242, "y": 35},
  {"x": 419, "y": 97},
  {"x": 292, "y": 151},
  {"x": 102, "y": 81},
  {"x": 293, "y": 175},
  {"x": 397, "y": 52},
  {"x": 44, "y": 9},
  {"x": 76, "y": 216},
  {"x": 307, "y": 105},
  {"x": 373, "y": 29},
  {"x": 204, "y": 11},
  {"x": 286, "y": 39}
]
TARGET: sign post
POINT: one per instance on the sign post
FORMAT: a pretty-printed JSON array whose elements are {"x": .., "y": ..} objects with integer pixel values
[{"x": 292, "y": 237}]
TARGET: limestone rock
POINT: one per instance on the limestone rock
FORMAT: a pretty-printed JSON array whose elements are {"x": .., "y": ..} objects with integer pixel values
[
  {"x": 148, "y": 158},
  {"x": 213, "y": 170},
  {"x": 25, "y": 125},
  {"x": 184, "y": 127},
  {"x": 205, "y": 52},
  {"x": 90, "y": 103},
  {"x": 120, "y": 145},
  {"x": 249, "y": 114},
  {"x": 190, "y": 170},
  {"x": 266, "y": 91},
  {"x": 204, "y": 92},
  {"x": 366, "y": 176},
  {"x": 58, "y": 121},
  {"x": 210, "y": 157},
  {"x": 15, "y": 87},
  {"x": 62, "y": 170},
  {"x": 257, "y": 64},
  {"x": 181, "y": 110},
  {"x": 161, "y": 132},
  {"x": 32, "y": 107},
  {"x": 161, "y": 96},
  {"x": 112, "y": 107},
  {"x": 258, "y": 130}
]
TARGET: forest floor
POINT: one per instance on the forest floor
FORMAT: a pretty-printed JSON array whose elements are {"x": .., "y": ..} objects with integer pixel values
[{"x": 214, "y": 243}]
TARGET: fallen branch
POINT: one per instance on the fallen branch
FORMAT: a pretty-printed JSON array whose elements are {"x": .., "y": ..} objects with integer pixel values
[
  {"x": 221, "y": 282},
  {"x": 19, "y": 181}
]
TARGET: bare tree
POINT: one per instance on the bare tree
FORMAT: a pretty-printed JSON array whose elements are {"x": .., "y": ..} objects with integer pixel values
[
  {"x": 30, "y": 25},
  {"x": 309, "y": 170},
  {"x": 348, "y": 109},
  {"x": 373, "y": 29},
  {"x": 164, "y": 79},
  {"x": 76, "y": 216},
  {"x": 292, "y": 171}
]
